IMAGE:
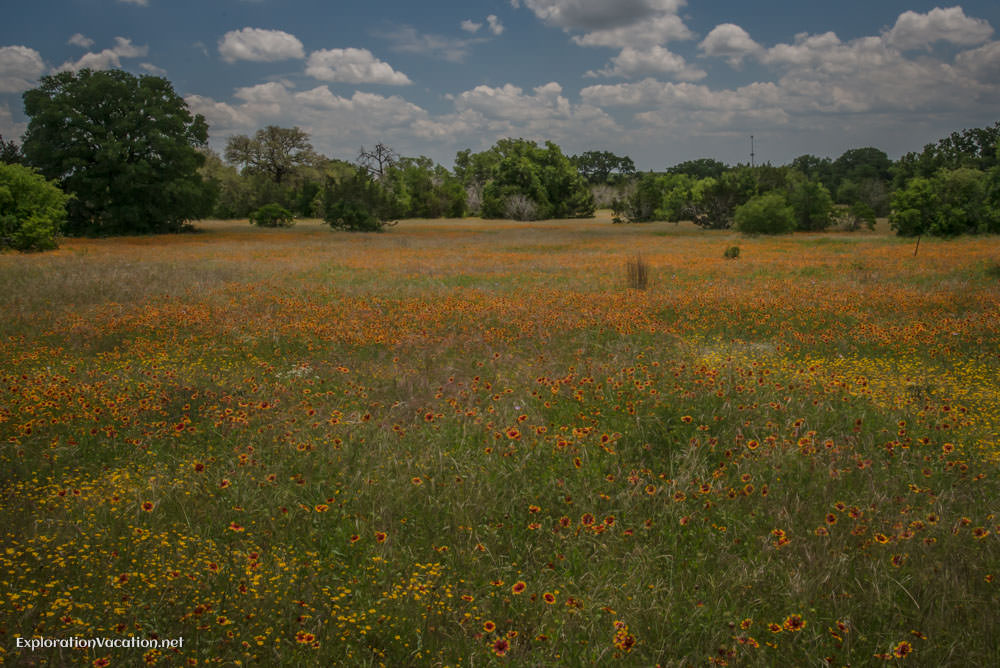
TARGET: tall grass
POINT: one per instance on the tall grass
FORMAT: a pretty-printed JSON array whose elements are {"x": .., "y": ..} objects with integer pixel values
[{"x": 464, "y": 443}]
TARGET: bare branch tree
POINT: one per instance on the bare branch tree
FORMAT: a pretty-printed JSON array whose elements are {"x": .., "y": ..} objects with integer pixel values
[{"x": 377, "y": 160}]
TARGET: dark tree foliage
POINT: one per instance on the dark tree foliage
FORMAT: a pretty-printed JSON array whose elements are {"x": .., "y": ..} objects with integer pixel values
[
  {"x": 702, "y": 168},
  {"x": 858, "y": 164},
  {"x": 523, "y": 180},
  {"x": 10, "y": 153},
  {"x": 714, "y": 200},
  {"x": 974, "y": 149},
  {"x": 810, "y": 202},
  {"x": 952, "y": 202},
  {"x": 272, "y": 215},
  {"x": 815, "y": 168},
  {"x": 603, "y": 166},
  {"x": 424, "y": 190},
  {"x": 273, "y": 151},
  {"x": 765, "y": 214},
  {"x": 357, "y": 203},
  {"x": 125, "y": 147},
  {"x": 642, "y": 202}
]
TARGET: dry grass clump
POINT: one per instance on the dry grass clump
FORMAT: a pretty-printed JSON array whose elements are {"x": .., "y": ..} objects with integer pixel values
[{"x": 637, "y": 273}]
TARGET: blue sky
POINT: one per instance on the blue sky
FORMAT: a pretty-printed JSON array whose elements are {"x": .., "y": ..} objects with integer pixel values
[{"x": 659, "y": 80}]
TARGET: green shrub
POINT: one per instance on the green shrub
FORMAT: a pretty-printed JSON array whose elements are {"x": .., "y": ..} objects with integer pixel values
[
  {"x": 272, "y": 215},
  {"x": 357, "y": 203},
  {"x": 32, "y": 210},
  {"x": 765, "y": 214},
  {"x": 732, "y": 253}
]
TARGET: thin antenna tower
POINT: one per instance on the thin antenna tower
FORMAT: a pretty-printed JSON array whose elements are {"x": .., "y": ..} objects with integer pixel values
[{"x": 752, "y": 164}]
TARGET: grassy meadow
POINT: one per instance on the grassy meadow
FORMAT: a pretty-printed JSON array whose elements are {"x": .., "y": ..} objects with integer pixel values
[{"x": 471, "y": 443}]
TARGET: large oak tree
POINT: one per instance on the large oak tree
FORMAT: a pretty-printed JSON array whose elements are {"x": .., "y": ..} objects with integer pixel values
[{"x": 125, "y": 147}]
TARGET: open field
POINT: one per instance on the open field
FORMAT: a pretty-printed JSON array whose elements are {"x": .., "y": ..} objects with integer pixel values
[{"x": 469, "y": 443}]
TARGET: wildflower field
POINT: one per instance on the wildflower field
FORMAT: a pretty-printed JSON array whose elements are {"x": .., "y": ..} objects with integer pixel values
[{"x": 470, "y": 443}]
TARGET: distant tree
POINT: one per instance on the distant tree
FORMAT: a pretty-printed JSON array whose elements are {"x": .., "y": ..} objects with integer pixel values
[
  {"x": 357, "y": 203},
  {"x": 642, "y": 201},
  {"x": 714, "y": 201},
  {"x": 702, "y": 168},
  {"x": 765, "y": 214},
  {"x": 852, "y": 217},
  {"x": 974, "y": 148},
  {"x": 125, "y": 147},
  {"x": 272, "y": 215},
  {"x": 914, "y": 208},
  {"x": 425, "y": 190},
  {"x": 862, "y": 163},
  {"x": 378, "y": 160},
  {"x": 952, "y": 202},
  {"x": 603, "y": 166},
  {"x": 10, "y": 153},
  {"x": 873, "y": 193},
  {"x": 810, "y": 202},
  {"x": 234, "y": 193},
  {"x": 32, "y": 210},
  {"x": 515, "y": 169},
  {"x": 815, "y": 169},
  {"x": 273, "y": 151}
]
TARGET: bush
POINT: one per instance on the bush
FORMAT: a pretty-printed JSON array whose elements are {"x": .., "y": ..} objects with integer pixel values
[
  {"x": 732, "y": 253},
  {"x": 811, "y": 203},
  {"x": 357, "y": 203},
  {"x": 272, "y": 215},
  {"x": 32, "y": 210},
  {"x": 765, "y": 214},
  {"x": 853, "y": 217}
]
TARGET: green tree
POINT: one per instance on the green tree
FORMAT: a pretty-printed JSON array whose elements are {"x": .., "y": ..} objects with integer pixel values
[
  {"x": 32, "y": 210},
  {"x": 811, "y": 203},
  {"x": 702, "y": 168},
  {"x": 603, "y": 166},
  {"x": 10, "y": 153},
  {"x": 524, "y": 180},
  {"x": 714, "y": 201},
  {"x": 234, "y": 193},
  {"x": 974, "y": 148},
  {"x": 357, "y": 203},
  {"x": 273, "y": 151},
  {"x": 642, "y": 201},
  {"x": 125, "y": 147},
  {"x": 815, "y": 169},
  {"x": 952, "y": 202},
  {"x": 424, "y": 190},
  {"x": 272, "y": 215},
  {"x": 914, "y": 208},
  {"x": 765, "y": 214}
]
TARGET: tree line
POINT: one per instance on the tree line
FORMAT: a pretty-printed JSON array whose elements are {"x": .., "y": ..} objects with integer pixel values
[{"x": 108, "y": 153}]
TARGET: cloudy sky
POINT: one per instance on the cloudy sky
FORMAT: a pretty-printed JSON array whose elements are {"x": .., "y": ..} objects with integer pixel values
[{"x": 659, "y": 80}]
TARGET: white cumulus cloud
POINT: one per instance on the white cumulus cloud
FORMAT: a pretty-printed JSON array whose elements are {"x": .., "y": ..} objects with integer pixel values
[
  {"x": 153, "y": 69},
  {"x": 655, "y": 60},
  {"x": 259, "y": 45},
  {"x": 106, "y": 59},
  {"x": 496, "y": 27},
  {"x": 80, "y": 40},
  {"x": 920, "y": 31},
  {"x": 729, "y": 41},
  {"x": 469, "y": 25},
  {"x": 592, "y": 15},
  {"x": 20, "y": 66},
  {"x": 352, "y": 66}
]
